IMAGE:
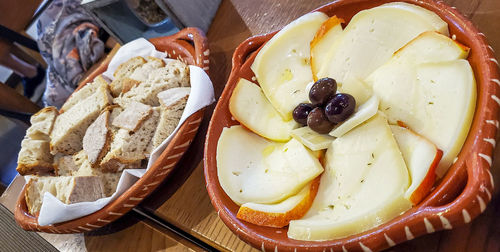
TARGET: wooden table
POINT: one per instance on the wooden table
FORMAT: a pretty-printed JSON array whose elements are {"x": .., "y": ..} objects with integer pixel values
[{"x": 182, "y": 199}]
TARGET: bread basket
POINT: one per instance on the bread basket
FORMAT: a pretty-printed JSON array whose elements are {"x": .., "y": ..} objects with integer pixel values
[
  {"x": 189, "y": 45},
  {"x": 457, "y": 199}
]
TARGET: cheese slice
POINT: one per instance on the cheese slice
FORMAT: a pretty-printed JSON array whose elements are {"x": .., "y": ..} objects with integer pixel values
[
  {"x": 363, "y": 185},
  {"x": 370, "y": 39},
  {"x": 251, "y": 108},
  {"x": 430, "y": 87},
  {"x": 282, "y": 67},
  {"x": 312, "y": 139},
  {"x": 253, "y": 169},
  {"x": 362, "y": 113},
  {"x": 432, "y": 18}
]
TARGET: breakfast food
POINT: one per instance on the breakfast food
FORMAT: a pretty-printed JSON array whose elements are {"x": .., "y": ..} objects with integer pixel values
[
  {"x": 280, "y": 214},
  {"x": 70, "y": 126},
  {"x": 67, "y": 189},
  {"x": 419, "y": 154},
  {"x": 42, "y": 123},
  {"x": 282, "y": 65},
  {"x": 390, "y": 97},
  {"x": 34, "y": 157},
  {"x": 78, "y": 154},
  {"x": 121, "y": 75},
  {"x": 172, "y": 103},
  {"x": 286, "y": 167},
  {"x": 363, "y": 184},
  {"x": 434, "y": 68},
  {"x": 251, "y": 108}
]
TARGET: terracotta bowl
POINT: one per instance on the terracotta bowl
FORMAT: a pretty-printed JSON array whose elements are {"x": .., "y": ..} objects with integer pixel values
[
  {"x": 189, "y": 45},
  {"x": 458, "y": 198}
]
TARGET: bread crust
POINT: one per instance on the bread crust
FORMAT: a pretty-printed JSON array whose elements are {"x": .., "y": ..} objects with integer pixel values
[
  {"x": 37, "y": 168},
  {"x": 30, "y": 201},
  {"x": 120, "y": 83}
]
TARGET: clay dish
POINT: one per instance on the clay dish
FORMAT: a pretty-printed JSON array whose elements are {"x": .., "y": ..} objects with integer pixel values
[
  {"x": 458, "y": 198},
  {"x": 189, "y": 45}
]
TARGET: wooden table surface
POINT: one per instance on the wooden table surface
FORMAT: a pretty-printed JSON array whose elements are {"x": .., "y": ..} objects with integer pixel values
[{"x": 182, "y": 199}]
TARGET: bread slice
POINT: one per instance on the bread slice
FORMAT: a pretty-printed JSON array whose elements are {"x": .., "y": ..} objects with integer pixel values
[
  {"x": 34, "y": 158},
  {"x": 42, "y": 123},
  {"x": 122, "y": 72},
  {"x": 141, "y": 73},
  {"x": 132, "y": 117},
  {"x": 70, "y": 126},
  {"x": 174, "y": 71},
  {"x": 79, "y": 165},
  {"x": 65, "y": 188},
  {"x": 173, "y": 74},
  {"x": 129, "y": 147},
  {"x": 108, "y": 180},
  {"x": 97, "y": 138},
  {"x": 173, "y": 103},
  {"x": 173, "y": 95},
  {"x": 65, "y": 165},
  {"x": 84, "y": 92},
  {"x": 129, "y": 84}
]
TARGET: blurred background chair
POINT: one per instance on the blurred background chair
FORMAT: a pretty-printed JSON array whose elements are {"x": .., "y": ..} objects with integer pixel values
[{"x": 18, "y": 53}]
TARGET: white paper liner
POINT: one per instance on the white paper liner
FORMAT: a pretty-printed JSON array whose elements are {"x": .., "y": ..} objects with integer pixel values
[{"x": 202, "y": 95}]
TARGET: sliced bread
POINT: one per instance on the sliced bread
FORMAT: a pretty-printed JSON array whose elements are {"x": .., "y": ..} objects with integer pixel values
[
  {"x": 174, "y": 71},
  {"x": 132, "y": 117},
  {"x": 97, "y": 138},
  {"x": 122, "y": 72},
  {"x": 173, "y": 104},
  {"x": 141, "y": 73},
  {"x": 65, "y": 188},
  {"x": 128, "y": 147},
  {"x": 34, "y": 158},
  {"x": 129, "y": 84},
  {"x": 42, "y": 123},
  {"x": 173, "y": 95},
  {"x": 84, "y": 92},
  {"x": 66, "y": 165},
  {"x": 70, "y": 126},
  {"x": 109, "y": 180},
  {"x": 173, "y": 74},
  {"x": 79, "y": 165}
]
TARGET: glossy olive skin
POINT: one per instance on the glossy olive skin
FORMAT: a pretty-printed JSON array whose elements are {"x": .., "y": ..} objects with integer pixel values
[
  {"x": 340, "y": 107},
  {"x": 301, "y": 112},
  {"x": 317, "y": 121},
  {"x": 322, "y": 91}
]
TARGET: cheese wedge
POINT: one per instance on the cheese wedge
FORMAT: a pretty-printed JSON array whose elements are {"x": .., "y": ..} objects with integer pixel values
[
  {"x": 429, "y": 16},
  {"x": 371, "y": 38},
  {"x": 327, "y": 34},
  {"x": 253, "y": 169},
  {"x": 421, "y": 158},
  {"x": 282, "y": 66},
  {"x": 363, "y": 185},
  {"x": 312, "y": 139},
  {"x": 362, "y": 113},
  {"x": 250, "y": 107},
  {"x": 280, "y": 214},
  {"x": 430, "y": 87}
]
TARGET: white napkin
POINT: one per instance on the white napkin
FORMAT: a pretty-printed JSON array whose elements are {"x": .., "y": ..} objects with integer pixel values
[{"x": 202, "y": 95}]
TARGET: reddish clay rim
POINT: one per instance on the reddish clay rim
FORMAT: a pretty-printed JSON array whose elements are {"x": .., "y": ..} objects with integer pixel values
[
  {"x": 189, "y": 45},
  {"x": 461, "y": 195}
]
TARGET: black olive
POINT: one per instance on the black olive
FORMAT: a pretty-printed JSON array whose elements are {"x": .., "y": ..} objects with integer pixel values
[
  {"x": 322, "y": 91},
  {"x": 317, "y": 121}
]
